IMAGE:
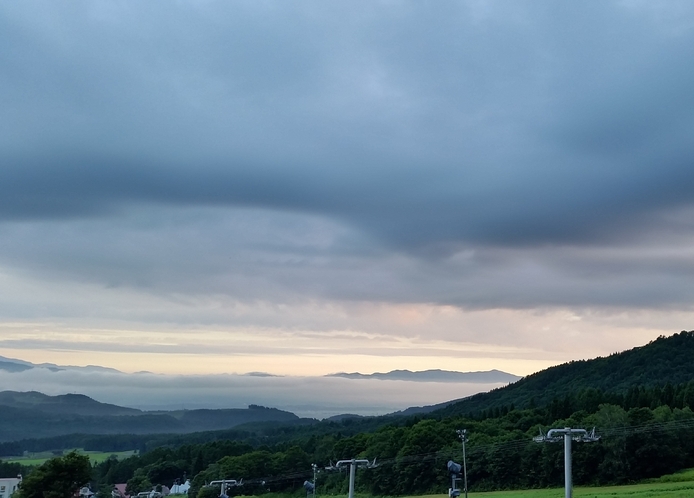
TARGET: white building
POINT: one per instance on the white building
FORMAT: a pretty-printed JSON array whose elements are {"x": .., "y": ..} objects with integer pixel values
[
  {"x": 8, "y": 485},
  {"x": 180, "y": 489}
]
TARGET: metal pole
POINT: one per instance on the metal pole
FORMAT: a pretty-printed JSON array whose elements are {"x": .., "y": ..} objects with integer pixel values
[
  {"x": 352, "y": 470},
  {"x": 553, "y": 435},
  {"x": 352, "y": 473},
  {"x": 315, "y": 470},
  {"x": 567, "y": 464},
  {"x": 464, "y": 462}
]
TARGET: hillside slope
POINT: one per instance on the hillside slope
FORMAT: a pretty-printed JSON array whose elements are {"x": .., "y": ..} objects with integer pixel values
[
  {"x": 665, "y": 360},
  {"x": 76, "y": 404},
  {"x": 26, "y": 415}
]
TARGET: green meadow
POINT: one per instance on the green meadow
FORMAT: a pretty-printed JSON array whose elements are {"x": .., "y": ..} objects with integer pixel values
[
  {"x": 649, "y": 490},
  {"x": 646, "y": 490},
  {"x": 678, "y": 485},
  {"x": 94, "y": 456}
]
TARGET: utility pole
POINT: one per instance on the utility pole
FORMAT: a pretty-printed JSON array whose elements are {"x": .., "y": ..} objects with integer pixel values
[
  {"x": 462, "y": 434},
  {"x": 567, "y": 434}
]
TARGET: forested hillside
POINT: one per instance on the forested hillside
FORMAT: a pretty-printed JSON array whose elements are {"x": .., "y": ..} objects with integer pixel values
[
  {"x": 665, "y": 360},
  {"x": 75, "y": 404},
  {"x": 36, "y": 415}
]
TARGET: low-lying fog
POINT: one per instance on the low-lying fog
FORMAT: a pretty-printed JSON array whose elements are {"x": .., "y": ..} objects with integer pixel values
[{"x": 317, "y": 397}]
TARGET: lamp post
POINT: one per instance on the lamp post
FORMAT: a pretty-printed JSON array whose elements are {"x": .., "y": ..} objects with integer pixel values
[
  {"x": 462, "y": 434},
  {"x": 309, "y": 486},
  {"x": 315, "y": 481}
]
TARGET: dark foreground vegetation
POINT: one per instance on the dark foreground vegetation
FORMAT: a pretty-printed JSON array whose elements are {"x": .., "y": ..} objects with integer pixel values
[{"x": 647, "y": 429}]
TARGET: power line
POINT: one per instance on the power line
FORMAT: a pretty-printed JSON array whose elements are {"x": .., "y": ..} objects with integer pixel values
[{"x": 505, "y": 446}]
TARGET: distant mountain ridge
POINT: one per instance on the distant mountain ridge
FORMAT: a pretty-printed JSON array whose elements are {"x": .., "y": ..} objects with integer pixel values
[
  {"x": 32, "y": 414},
  {"x": 484, "y": 377},
  {"x": 74, "y": 404},
  {"x": 15, "y": 365},
  {"x": 11, "y": 366}
]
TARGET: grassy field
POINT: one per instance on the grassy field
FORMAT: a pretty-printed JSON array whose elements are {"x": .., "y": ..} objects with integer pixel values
[
  {"x": 94, "y": 456},
  {"x": 650, "y": 490},
  {"x": 679, "y": 485}
]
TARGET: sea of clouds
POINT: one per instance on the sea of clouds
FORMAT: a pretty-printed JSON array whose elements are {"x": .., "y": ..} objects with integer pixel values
[{"x": 317, "y": 397}]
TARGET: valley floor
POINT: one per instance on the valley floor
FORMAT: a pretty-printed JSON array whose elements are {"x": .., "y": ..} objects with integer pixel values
[{"x": 41, "y": 457}]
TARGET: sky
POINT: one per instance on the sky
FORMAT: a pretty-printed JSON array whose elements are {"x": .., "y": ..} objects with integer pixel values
[{"x": 301, "y": 188}]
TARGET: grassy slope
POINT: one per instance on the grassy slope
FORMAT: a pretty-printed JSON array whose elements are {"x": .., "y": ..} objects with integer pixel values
[
  {"x": 678, "y": 485},
  {"x": 656, "y": 490}
]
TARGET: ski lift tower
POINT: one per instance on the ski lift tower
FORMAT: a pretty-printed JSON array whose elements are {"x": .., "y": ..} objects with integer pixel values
[
  {"x": 567, "y": 434},
  {"x": 353, "y": 464}
]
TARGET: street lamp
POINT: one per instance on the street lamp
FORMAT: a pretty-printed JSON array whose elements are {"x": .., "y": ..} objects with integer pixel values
[{"x": 462, "y": 434}]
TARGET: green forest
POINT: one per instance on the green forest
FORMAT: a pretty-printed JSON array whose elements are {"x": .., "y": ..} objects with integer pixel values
[{"x": 646, "y": 429}]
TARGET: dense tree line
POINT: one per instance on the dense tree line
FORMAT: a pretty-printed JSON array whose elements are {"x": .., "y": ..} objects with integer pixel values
[
  {"x": 637, "y": 442},
  {"x": 59, "y": 477},
  {"x": 8, "y": 469}
]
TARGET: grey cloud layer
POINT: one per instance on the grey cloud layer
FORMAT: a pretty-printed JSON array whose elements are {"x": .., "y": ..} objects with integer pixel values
[
  {"x": 267, "y": 256},
  {"x": 485, "y": 154},
  {"x": 525, "y": 124}
]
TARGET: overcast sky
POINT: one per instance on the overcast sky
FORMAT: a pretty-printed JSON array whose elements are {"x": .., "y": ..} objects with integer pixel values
[{"x": 309, "y": 187}]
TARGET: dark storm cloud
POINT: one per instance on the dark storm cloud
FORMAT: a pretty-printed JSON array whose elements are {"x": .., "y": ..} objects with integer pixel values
[
  {"x": 482, "y": 155},
  {"x": 428, "y": 126}
]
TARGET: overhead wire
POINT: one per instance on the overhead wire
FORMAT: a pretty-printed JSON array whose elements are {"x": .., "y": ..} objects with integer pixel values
[{"x": 508, "y": 445}]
